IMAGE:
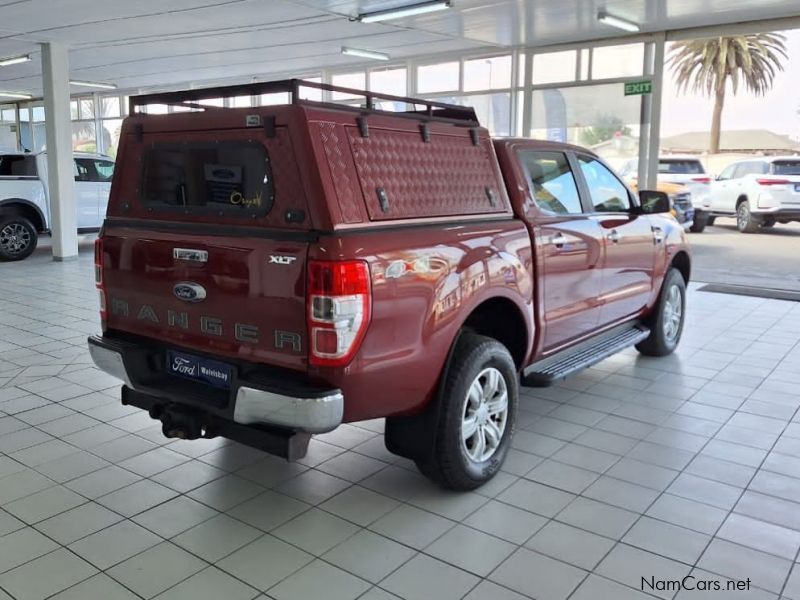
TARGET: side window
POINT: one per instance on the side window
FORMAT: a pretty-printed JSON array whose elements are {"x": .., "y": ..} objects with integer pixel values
[
  {"x": 608, "y": 193},
  {"x": 85, "y": 169},
  {"x": 16, "y": 165},
  {"x": 552, "y": 183},
  {"x": 104, "y": 169},
  {"x": 727, "y": 173}
]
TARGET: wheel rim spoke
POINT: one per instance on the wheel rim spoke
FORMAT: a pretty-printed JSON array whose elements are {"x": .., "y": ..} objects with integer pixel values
[
  {"x": 484, "y": 415},
  {"x": 469, "y": 427},
  {"x": 499, "y": 404}
]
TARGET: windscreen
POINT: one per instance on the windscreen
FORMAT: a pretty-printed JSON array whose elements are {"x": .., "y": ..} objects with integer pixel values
[
  {"x": 680, "y": 167},
  {"x": 786, "y": 167},
  {"x": 230, "y": 178}
]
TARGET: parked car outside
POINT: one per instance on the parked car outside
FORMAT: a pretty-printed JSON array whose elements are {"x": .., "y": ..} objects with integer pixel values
[
  {"x": 759, "y": 192},
  {"x": 269, "y": 273},
  {"x": 25, "y": 198},
  {"x": 680, "y": 201},
  {"x": 686, "y": 170}
]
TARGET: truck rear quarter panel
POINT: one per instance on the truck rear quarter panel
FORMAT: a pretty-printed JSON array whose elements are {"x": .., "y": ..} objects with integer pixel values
[{"x": 426, "y": 281}]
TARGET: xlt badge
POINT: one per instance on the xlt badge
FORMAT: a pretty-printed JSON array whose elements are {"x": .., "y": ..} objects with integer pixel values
[
  {"x": 281, "y": 260},
  {"x": 189, "y": 291}
]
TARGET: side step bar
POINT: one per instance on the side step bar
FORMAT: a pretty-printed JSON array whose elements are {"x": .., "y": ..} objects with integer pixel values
[{"x": 590, "y": 352}]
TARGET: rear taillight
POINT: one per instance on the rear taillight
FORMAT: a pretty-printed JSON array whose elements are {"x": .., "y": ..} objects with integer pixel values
[
  {"x": 339, "y": 298},
  {"x": 98, "y": 276},
  {"x": 701, "y": 179},
  {"x": 765, "y": 181}
]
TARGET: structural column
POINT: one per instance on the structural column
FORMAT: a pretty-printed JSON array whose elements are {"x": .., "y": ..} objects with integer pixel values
[{"x": 60, "y": 170}]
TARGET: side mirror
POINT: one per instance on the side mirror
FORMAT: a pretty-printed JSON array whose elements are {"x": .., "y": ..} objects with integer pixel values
[{"x": 654, "y": 202}]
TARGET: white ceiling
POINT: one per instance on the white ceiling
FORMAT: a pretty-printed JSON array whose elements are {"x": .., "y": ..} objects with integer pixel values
[{"x": 164, "y": 43}]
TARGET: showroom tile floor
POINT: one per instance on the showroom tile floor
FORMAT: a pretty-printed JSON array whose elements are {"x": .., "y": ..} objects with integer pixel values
[{"x": 638, "y": 468}]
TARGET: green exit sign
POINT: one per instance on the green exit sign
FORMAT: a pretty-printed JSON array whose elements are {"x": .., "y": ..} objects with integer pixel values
[{"x": 637, "y": 88}]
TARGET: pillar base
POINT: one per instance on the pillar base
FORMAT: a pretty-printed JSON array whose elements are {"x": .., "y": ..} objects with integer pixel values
[{"x": 65, "y": 258}]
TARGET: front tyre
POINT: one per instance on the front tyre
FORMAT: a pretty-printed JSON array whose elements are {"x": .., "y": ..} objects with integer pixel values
[
  {"x": 700, "y": 222},
  {"x": 666, "y": 321},
  {"x": 478, "y": 415},
  {"x": 18, "y": 238}
]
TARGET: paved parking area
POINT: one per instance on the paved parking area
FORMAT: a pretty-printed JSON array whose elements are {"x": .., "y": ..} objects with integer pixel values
[
  {"x": 765, "y": 259},
  {"x": 638, "y": 468}
]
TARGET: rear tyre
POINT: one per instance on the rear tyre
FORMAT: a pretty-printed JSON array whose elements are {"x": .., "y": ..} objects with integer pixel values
[
  {"x": 700, "y": 222},
  {"x": 666, "y": 321},
  {"x": 710, "y": 221},
  {"x": 18, "y": 238},
  {"x": 745, "y": 221},
  {"x": 478, "y": 415}
]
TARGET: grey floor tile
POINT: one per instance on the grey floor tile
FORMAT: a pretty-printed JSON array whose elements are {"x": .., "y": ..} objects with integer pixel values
[
  {"x": 226, "y": 492},
  {"x": 600, "y": 588},
  {"x": 316, "y": 531},
  {"x": 594, "y": 516},
  {"x": 703, "y": 490},
  {"x": 471, "y": 550},
  {"x": 424, "y": 577},
  {"x": 486, "y": 589},
  {"x": 101, "y": 482},
  {"x": 79, "y": 522},
  {"x": 156, "y": 569},
  {"x": 44, "y": 504},
  {"x": 265, "y": 562},
  {"x": 210, "y": 584},
  {"x": 268, "y": 510},
  {"x": 627, "y": 565},
  {"x": 562, "y": 476},
  {"x": 319, "y": 580},
  {"x": 538, "y": 576},
  {"x": 687, "y": 513},
  {"x": 359, "y": 505},
  {"x": 9, "y": 523},
  {"x": 137, "y": 497},
  {"x": 21, "y": 484},
  {"x": 152, "y": 462},
  {"x": 313, "y": 487},
  {"x": 725, "y": 558},
  {"x": 47, "y": 575},
  {"x": 174, "y": 516},
  {"x": 767, "y": 537},
  {"x": 621, "y": 493},
  {"x": 537, "y": 498},
  {"x": 100, "y": 586},
  {"x": 769, "y": 509},
  {"x": 721, "y": 470},
  {"x": 571, "y": 545},
  {"x": 668, "y": 540},
  {"x": 792, "y": 589},
  {"x": 369, "y": 555},
  {"x": 72, "y": 466},
  {"x": 506, "y": 522},
  {"x": 351, "y": 466},
  {"x": 21, "y": 546},
  {"x": 643, "y": 474},
  {"x": 216, "y": 538},
  {"x": 188, "y": 476},
  {"x": 115, "y": 544},
  {"x": 774, "y": 484}
]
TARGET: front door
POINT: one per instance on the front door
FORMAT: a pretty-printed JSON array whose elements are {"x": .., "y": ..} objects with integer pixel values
[
  {"x": 569, "y": 249},
  {"x": 629, "y": 242}
]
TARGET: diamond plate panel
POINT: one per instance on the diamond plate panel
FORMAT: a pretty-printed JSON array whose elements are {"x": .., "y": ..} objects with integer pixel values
[
  {"x": 345, "y": 180},
  {"x": 446, "y": 176}
]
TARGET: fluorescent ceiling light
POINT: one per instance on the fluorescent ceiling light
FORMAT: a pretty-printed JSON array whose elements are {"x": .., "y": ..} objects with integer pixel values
[
  {"x": 364, "y": 53},
  {"x": 613, "y": 21},
  {"x": 14, "y": 60},
  {"x": 93, "y": 84},
  {"x": 420, "y": 8},
  {"x": 15, "y": 95}
]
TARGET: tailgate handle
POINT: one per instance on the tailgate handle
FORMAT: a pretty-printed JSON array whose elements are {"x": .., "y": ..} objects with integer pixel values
[{"x": 190, "y": 254}]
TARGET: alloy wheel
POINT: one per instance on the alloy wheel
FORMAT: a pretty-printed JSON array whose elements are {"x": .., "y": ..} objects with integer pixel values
[
  {"x": 673, "y": 312},
  {"x": 485, "y": 415},
  {"x": 14, "y": 239}
]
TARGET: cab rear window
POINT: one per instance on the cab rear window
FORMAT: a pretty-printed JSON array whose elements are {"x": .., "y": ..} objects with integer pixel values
[
  {"x": 225, "y": 178},
  {"x": 786, "y": 167},
  {"x": 680, "y": 167}
]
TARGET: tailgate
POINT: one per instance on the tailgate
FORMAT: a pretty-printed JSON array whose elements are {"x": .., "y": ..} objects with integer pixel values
[{"x": 238, "y": 296}]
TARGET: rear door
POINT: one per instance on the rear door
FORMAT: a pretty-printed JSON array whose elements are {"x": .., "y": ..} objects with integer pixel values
[
  {"x": 788, "y": 194},
  {"x": 206, "y": 244},
  {"x": 569, "y": 246},
  {"x": 628, "y": 240},
  {"x": 85, "y": 193}
]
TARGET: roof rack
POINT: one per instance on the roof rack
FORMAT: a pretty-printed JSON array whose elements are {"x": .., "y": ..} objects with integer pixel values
[{"x": 423, "y": 109}]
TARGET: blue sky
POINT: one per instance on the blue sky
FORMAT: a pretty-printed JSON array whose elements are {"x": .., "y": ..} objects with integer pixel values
[{"x": 777, "y": 111}]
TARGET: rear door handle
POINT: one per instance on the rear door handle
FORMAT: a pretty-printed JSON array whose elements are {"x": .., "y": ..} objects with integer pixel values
[
  {"x": 558, "y": 240},
  {"x": 613, "y": 236}
]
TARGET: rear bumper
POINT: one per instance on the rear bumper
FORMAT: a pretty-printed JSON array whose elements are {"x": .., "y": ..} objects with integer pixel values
[
  {"x": 778, "y": 213},
  {"x": 266, "y": 398}
]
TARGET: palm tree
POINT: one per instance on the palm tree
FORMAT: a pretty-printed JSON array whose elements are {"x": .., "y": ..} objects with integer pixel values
[{"x": 706, "y": 66}]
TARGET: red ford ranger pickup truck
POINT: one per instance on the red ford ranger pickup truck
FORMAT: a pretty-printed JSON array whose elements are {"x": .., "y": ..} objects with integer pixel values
[{"x": 269, "y": 273}]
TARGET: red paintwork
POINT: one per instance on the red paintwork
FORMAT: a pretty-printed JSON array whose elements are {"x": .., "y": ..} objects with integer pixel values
[{"x": 429, "y": 272}]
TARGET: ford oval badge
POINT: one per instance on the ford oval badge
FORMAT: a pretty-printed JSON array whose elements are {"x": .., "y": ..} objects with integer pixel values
[{"x": 189, "y": 291}]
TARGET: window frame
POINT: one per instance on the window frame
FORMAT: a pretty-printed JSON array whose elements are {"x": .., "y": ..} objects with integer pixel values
[
  {"x": 589, "y": 206},
  {"x": 529, "y": 180}
]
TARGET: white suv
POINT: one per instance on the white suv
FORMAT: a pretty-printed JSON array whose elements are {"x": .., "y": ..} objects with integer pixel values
[
  {"x": 759, "y": 192},
  {"x": 25, "y": 198}
]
